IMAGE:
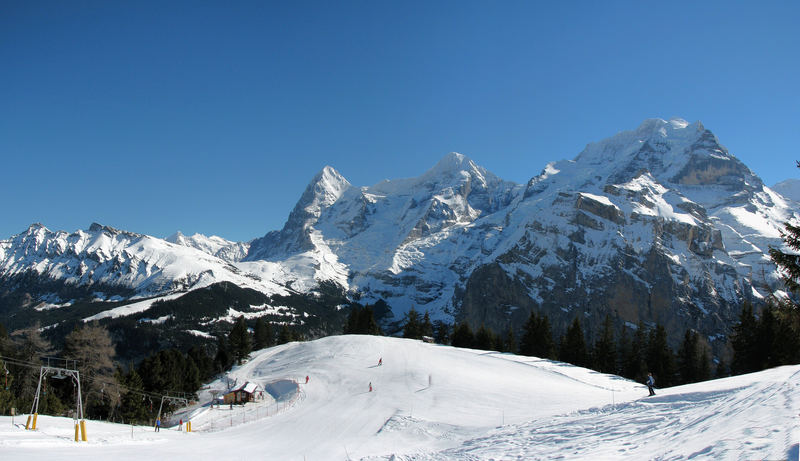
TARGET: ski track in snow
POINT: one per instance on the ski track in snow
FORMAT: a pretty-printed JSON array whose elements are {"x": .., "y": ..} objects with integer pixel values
[{"x": 432, "y": 402}]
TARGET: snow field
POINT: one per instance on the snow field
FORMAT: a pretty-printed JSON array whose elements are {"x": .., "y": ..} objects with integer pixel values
[
  {"x": 432, "y": 402},
  {"x": 746, "y": 417}
]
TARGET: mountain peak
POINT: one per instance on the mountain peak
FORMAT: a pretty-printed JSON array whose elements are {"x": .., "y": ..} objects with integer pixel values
[
  {"x": 667, "y": 128},
  {"x": 324, "y": 189},
  {"x": 655, "y": 137},
  {"x": 327, "y": 172},
  {"x": 35, "y": 227},
  {"x": 451, "y": 163},
  {"x": 96, "y": 227},
  {"x": 789, "y": 188},
  {"x": 453, "y": 159},
  {"x": 177, "y": 237}
]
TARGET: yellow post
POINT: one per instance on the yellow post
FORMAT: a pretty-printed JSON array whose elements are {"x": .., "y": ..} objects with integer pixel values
[
  {"x": 83, "y": 430},
  {"x": 76, "y": 432},
  {"x": 34, "y": 421},
  {"x": 28, "y": 424},
  {"x": 188, "y": 426}
]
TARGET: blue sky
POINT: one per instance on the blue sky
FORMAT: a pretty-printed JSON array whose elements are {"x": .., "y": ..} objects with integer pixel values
[{"x": 212, "y": 117}]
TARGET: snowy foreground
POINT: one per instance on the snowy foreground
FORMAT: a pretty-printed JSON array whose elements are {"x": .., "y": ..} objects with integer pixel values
[{"x": 433, "y": 402}]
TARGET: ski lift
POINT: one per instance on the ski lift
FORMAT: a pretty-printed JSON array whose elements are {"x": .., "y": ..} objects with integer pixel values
[{"x": 58, "y": 375}]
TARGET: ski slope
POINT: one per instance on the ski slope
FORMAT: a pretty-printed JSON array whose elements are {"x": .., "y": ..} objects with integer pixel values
[{"x": 432, "y": 402}]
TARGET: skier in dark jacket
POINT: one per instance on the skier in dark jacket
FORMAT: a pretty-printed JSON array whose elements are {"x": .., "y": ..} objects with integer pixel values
[{"x": 650, "y": 383}]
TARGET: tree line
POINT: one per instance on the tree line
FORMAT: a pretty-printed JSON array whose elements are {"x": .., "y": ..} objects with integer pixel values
[
  {"x": 758, "y": 342},
  {"x": 109, "y": 390}
]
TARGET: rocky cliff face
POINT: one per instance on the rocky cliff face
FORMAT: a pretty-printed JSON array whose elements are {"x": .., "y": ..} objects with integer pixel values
[{"x": 659, "y": 224}]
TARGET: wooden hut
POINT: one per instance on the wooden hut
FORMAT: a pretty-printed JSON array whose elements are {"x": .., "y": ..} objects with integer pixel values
[{"x": 247, "y": 392}]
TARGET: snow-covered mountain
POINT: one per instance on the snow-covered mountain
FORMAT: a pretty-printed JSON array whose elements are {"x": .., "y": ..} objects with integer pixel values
[
  {"x": 658, "y": 224},
  {"x": 217, "y": 246},
  {"x": 789, "y": 188},
  {"x": 113, "y": 264},
  {"x": 433, "y": 402}
]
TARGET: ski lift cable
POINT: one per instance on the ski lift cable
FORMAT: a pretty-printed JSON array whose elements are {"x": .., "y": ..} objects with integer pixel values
[
  {"x": 95, "y": 379},
  {"x": 22, "y": 363}
]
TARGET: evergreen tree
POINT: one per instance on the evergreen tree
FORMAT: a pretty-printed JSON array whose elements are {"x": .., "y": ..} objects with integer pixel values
[
  {"x": 154, "y": 373},
  {"x": 509, "y": 343},
  {"x": 537, "y": 338},
  {"x": 462, "y": 336},
  {"x": 789, "y": 263},
  {"x": 527, "y": 343},
  {"x": 441, "y": 332},
  {"x": 191, "y": 376},
  {"x": 413, "y": 327},
  {"x": 134, "y": 406},
  {"x": 787, "y": 334},
  {"x": 284, "y": 336},
  {"x": 205, "y": 365},
  {"x": 484, "y": 339},
  {"x": 426, "y": 328},
  {"x": 635, "y": 361},
  {"x": 169, "y": 371},
  {"x": 239, "y": 340},
  {"x": 605, "y": 349},
  {"x": 262, "y": 334},
  {"x": 366, "y": 323},
  {"x": 624, "y": 348},
  {"x": 777, "y": 338},
  {"x": 746, "y": 356},
  {"x": 573, "y": 346},
  {"x": 722, "y": 370},
  {"x": 223, "y": 360},
  {"x": 297, "y": 336},
  {"x": 5, "y": 341},
  {"x": 693, "y": 359},
  {"x": 765, "y": 339},
  {"x": 786, "y": 344},
  {"x": 351, "y": 325},
  {"x": 660, "y": 358},
  {"x": 705, "y": 363},
  {"x": 769, "y": 341}
]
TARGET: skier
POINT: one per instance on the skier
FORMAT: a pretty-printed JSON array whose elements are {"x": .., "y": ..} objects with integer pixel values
[
  {"x": 158, "y": 424},
  {"x": 306, "y": 379},
  {"x": 380, "y": 361},
  {"x": 370, "y": 387},
  {"x": 180, "y": 426},
  {"x": 650, "y": 383}
]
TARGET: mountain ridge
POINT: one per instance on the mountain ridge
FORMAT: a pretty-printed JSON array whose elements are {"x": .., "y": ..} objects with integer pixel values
[{"x": 660, "y": 224}]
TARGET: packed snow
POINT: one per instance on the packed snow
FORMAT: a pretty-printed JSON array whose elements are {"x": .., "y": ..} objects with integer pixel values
[{"x": 433, "y": 402}]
